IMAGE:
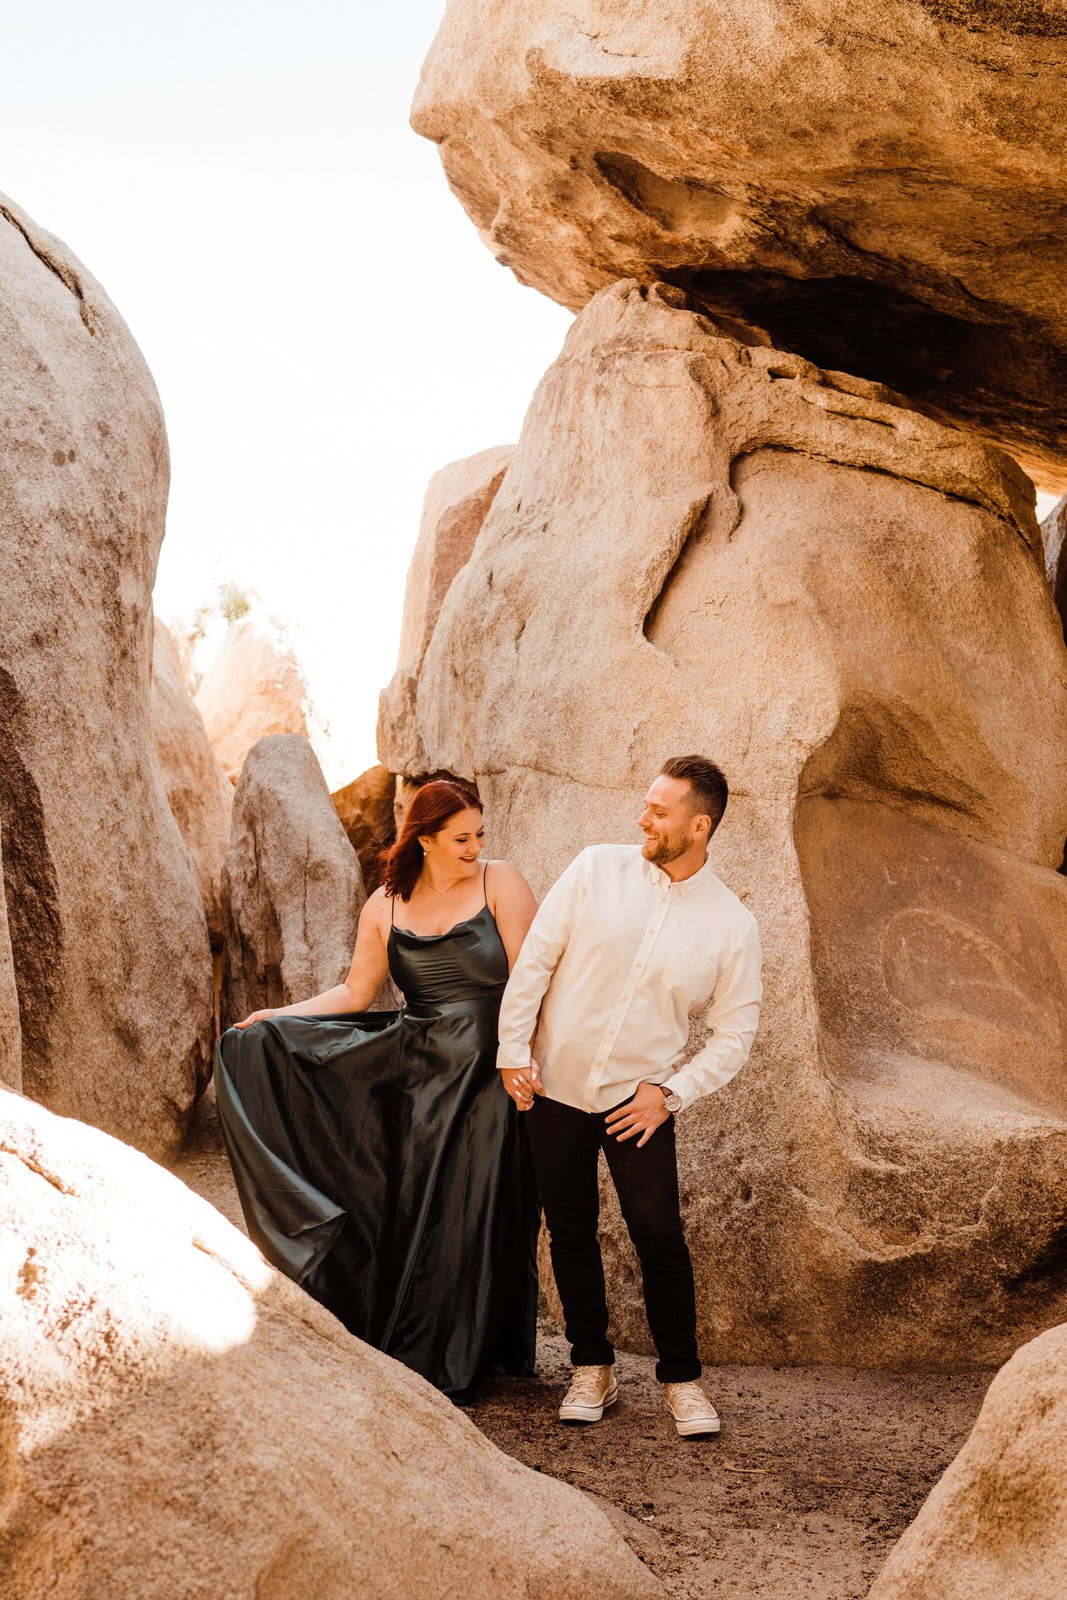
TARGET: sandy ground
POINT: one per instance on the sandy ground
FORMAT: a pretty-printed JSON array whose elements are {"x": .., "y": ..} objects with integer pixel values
[
  {"x": 815, "y": 1474},
  {"x": 817, "y": 1471}
]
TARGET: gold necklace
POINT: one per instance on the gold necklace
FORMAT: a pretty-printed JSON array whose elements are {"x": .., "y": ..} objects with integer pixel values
[{"x": 452, "y": 885}]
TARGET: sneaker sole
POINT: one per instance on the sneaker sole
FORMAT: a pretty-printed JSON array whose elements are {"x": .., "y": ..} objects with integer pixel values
[
  {"x": 697, "y": 1430},
  {"x": 589, "y": 1413}
]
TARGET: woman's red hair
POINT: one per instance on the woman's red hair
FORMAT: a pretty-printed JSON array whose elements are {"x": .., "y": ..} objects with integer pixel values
[{"x": 427, "y": 814}]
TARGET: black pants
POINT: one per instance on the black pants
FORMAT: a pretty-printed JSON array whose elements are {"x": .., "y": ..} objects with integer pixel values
[{"x": 566, "y": 1144}]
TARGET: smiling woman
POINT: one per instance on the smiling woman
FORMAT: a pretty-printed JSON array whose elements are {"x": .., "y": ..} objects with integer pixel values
[
  {"x": 379, "y": 1162},
  {"x": 437, "y": 840}
]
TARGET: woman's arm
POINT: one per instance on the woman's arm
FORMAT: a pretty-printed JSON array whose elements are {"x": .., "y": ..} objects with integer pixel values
[
  {"x": 513, "y": 906},
  {"x": 541, "y": 952},
  {"x": 512, "y": 903},
  {"x": 370, "y": 964}
]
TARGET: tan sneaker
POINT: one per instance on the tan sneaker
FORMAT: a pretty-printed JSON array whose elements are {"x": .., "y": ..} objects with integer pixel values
[
  {"x": 691, "y": 1409},
  {"x": 591, "y": 1392}
]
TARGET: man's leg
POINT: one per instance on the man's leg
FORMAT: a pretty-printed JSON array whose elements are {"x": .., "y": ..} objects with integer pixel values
[
  {"x": 646, "y": 1182},
  {"x": 566, "y": 1146}
]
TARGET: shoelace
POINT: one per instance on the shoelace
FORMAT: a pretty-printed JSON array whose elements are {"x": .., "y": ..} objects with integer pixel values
[
  {"x": 688, "y": 1400},
  {"x": 587, "y": 1385}
]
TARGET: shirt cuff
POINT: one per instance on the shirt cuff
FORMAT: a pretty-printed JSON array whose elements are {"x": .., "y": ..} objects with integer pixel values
[
  {"x": 680, "y": 1085},
  {"x": 511, "y": 1060}
]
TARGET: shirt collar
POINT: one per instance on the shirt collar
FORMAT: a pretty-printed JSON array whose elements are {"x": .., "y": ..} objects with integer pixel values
[{"x": 657, "y": 875}]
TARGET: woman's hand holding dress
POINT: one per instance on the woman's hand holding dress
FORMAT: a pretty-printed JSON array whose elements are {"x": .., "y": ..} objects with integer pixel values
[
  {"x": 258, "y": 1016},
  {"x": 369, "y": 969}
]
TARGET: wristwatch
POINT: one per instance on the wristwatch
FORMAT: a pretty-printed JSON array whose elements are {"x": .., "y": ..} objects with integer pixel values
[{"x": 672, "y": 1101}]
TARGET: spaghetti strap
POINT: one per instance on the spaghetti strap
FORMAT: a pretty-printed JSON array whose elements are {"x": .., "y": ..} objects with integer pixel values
[
  {"x": 392, "y": 910},
  {"x": 485, "y": 886}
]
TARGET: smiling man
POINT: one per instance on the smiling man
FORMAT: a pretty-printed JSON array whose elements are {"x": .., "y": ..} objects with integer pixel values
[{"x": 629, "y": 943}]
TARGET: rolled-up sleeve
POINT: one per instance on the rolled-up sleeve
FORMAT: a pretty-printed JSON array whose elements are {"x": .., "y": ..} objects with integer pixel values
[
  {"x": 541, "y": 952},
  {"x": 732, "y": 1015}
]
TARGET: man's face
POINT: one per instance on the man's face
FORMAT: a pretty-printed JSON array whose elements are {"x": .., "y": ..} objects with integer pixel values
[{"x": 668, "y": 821}]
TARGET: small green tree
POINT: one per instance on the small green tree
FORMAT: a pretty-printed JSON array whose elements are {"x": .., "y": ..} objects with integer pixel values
[{"x": 234, "y": 602}]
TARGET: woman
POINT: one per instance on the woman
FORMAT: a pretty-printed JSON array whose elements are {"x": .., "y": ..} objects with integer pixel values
[{"x": 378, "y": 1159}]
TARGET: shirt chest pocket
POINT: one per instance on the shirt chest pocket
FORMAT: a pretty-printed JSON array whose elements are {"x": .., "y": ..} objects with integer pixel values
[{"x": 689, "y": 974}]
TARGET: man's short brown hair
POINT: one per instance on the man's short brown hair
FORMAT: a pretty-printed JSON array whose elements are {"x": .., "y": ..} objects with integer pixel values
[{"x": 709, "y": 790}]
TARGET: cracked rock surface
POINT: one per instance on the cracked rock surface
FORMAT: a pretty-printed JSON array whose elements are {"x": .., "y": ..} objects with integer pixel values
[
  {"x": 882, "y": 188},
  {"x": 454, "y": 508},
  {"x": 704, "y": 545},
  {"x": 291, "y": 883},
  {"x": 107, "y": 930}
]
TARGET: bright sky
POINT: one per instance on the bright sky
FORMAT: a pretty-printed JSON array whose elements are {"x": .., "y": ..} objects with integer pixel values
[{"x": 324, "y": 325}]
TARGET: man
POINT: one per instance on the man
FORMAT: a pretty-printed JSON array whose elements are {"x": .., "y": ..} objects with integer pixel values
[{"x": 627, "y": 944}]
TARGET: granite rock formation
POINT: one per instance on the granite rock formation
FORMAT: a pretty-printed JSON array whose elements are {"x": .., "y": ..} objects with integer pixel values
[
  {"x": 705, "y": 545},
  {"x": 882, "y": 192},
  {"x": 365, "y": 807},
  {"x": 176, "y": 1418},
  {"x": 291, "y": 882},
  {"x": 200, "y": 794},
  {"x": 106, "y": 926},
  {"x": 253, "y": 688},
  {"x": 995, "y": 1527},
  {"x": 456, "y": 503}
]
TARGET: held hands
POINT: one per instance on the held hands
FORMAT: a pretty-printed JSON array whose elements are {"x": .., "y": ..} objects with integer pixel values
[
  {"x": 522, "y": 1083},
  {"x": 643, "y": 1114},
  {"x": 258, "y": 1016}
]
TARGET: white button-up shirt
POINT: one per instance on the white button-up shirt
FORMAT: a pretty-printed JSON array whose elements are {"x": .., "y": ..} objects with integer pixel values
[{"x": 616, "y": 961}]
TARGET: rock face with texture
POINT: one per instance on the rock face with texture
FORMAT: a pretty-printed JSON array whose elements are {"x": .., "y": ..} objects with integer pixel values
[
  {"x": 365, "y": 807},
  {"x": 254, "y": 688},
  {"x": 106, "y": 927},
  {"x": 291, "y": 881},
  {"x": 882, "y": 193},
  {"x": 995, "y": 1527},
  {"x": 1054, "y": 537},
  {"x": 456, "y": 504},
  {"x": 200, "y": 794},
  {"x": 705, "y": 546},
  {"x": 177, "y": 1418}
]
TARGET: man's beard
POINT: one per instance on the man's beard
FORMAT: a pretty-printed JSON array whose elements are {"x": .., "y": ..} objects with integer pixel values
[{"x": 665, "y": 848}]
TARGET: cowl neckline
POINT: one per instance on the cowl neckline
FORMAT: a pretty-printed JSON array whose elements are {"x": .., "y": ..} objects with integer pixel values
[{"x": 424, "y": 938}]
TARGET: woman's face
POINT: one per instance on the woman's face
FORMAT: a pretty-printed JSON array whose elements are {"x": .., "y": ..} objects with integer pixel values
[{"x": 455, "y": 850}]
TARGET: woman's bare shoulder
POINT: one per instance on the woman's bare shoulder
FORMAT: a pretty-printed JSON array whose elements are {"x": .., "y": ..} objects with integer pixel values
[
  {"x": 378, "y": 907},
  {"x": 503, "y": 877}
]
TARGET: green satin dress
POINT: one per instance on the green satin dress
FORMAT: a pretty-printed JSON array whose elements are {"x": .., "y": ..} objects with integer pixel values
[{"x": 381, "y": 1165}]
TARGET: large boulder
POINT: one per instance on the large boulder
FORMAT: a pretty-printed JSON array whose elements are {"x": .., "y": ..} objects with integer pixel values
[
  {"x": 291, "y": 881},
  {"x": 456, "y": 504},
  {"x": 365, "y": 807},
  {"x": 701, "y": 545},
  {"x": 882, "y": 193},
  {"x": 254, "y": 688},
  {"x": 200, "y": 794},
  {"x": 176, "y": 1418},
  {"x": 995, "y": 1526},
  {"x": 107, "y": 930}
]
